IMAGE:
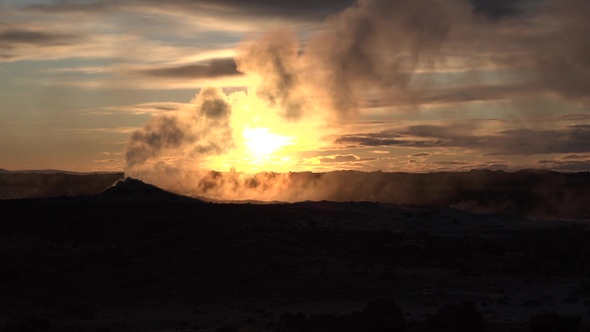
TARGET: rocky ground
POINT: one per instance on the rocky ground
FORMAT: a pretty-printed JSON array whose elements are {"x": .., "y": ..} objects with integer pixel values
[{"x": 138, "y": 259}]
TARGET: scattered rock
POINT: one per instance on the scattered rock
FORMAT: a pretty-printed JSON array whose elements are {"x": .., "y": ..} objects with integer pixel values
[
  {"x": 380, "y": 315},
  {"x": 103, "y": 329},
  {"x": 18, "y": 325},
  {"x": 38, "y": 323},
  {"x": 462, "y": 317},
  {"x": 292, "y": 320},
  {"x": 226, "y": 329},
  {"x": 583, "y": 289},
  {"x": 552, "y": 322},
  {"x": 75, "y": 312},
  {"x": 532, "y": 304},
  {"x": 30, "y": 323}
]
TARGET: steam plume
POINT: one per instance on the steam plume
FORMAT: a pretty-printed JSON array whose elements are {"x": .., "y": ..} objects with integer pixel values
[
  {"x": 374, "y": 48},
  {"x": 274, "y": 59},
  {"x": 197, "y": 132},
  {"x": 376, "y": 44}
]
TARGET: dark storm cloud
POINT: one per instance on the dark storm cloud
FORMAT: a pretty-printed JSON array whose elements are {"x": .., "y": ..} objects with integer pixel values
[
  {"x": 371, "y": 139},
  {"x": 571, "y": 139},
  {"x": 298, "y": 9},
  {"x": 507, "y": 142},
  {"x": 19, "y": 36},
  {"x": 215, "y": 68},
  {"x": 343, "y": 159},
  {"x": 303, "y": 9}
]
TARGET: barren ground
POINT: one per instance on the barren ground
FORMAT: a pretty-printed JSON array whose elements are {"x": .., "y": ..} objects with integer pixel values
[{"x": 104, "y": 264}]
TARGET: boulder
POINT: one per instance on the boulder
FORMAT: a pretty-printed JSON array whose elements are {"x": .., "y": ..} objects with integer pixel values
[
  {"x": 552, "y": 322},
  {"x": 382, "y": 315},
  {"x": 462, "y": 317}
]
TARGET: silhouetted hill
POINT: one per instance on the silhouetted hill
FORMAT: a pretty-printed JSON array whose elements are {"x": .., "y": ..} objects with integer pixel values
[
  {"x": 531, "y": 193},
  {"x": 16, "y": 185},
  {"x": 138, "y": 191},
  {"x": 51, "y": 171}
]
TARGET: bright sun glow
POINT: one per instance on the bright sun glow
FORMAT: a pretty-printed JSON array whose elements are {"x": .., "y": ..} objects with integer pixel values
[{"x": 261, "y": 142}]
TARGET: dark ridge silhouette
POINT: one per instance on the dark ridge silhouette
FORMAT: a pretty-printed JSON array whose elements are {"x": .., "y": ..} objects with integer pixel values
[
  {"x": 531, "y": 193},
  {"x": 19, "y": 185},
  {"x": 138, "y": 191},
  {"x": 52, "y": 171}
]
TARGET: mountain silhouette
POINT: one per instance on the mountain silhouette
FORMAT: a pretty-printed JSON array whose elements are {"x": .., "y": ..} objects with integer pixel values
[{"x": 133, "y": 190}]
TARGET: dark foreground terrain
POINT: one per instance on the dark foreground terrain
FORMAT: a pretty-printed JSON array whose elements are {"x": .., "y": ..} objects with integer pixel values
[{"x": 138, "y": 259}]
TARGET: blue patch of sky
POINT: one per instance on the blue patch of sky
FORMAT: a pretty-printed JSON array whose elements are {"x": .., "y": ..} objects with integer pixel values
[
  {"x": 206, "y": 38},
  {"x": 32, "y": 88}
]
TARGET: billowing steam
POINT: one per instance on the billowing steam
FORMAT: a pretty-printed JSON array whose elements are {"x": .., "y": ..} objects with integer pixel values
[
  {"x": 376, "y": 49},
  {"x": 197, "y": 132},
  {"x": 376, "y": 44},
  {"x": 275, "y": 60}
]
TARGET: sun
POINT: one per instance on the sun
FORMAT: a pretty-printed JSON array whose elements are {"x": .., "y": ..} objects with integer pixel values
[{"x": 261, "y": 142}]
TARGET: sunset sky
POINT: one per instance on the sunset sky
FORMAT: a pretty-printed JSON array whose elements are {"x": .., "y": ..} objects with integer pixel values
[{"x": 269, "y": 85}]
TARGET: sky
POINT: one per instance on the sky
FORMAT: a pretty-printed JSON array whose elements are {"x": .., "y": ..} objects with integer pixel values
[{"x": 270, "y": 85}]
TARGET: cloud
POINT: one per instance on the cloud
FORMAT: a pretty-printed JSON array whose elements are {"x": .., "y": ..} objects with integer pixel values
[
  {"x": 214, "y": 68},
  {"x": 528, "y": 141},
  {"x": 575, "y": 156},
  {"x": 451, "y": 163},
  {"x": 16, "y": 41},
  {"x": 140, "y": 109},
  {"x": 563, "y": 67},
  {"x": 478, "y": 135},
  {"x": 371, "y": 139},
  {"x": 566, "y": 165},
  {"x": 305, "y": 9},
  {"x": 343, "y": 159},
  {"x": 497, "y": 9},
  {"x": 30, "y": 37},
  {"x": 71, "y": 7}
]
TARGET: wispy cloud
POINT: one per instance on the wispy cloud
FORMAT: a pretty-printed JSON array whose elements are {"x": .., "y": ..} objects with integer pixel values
[
  {"x": 473, "y": 136},
  {"x": 213, "y": 69},
  {"x": 11, "y": 37}
]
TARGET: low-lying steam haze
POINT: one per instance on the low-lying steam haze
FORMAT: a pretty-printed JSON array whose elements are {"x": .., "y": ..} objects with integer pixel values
[{"x": 374, "y": 55}]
